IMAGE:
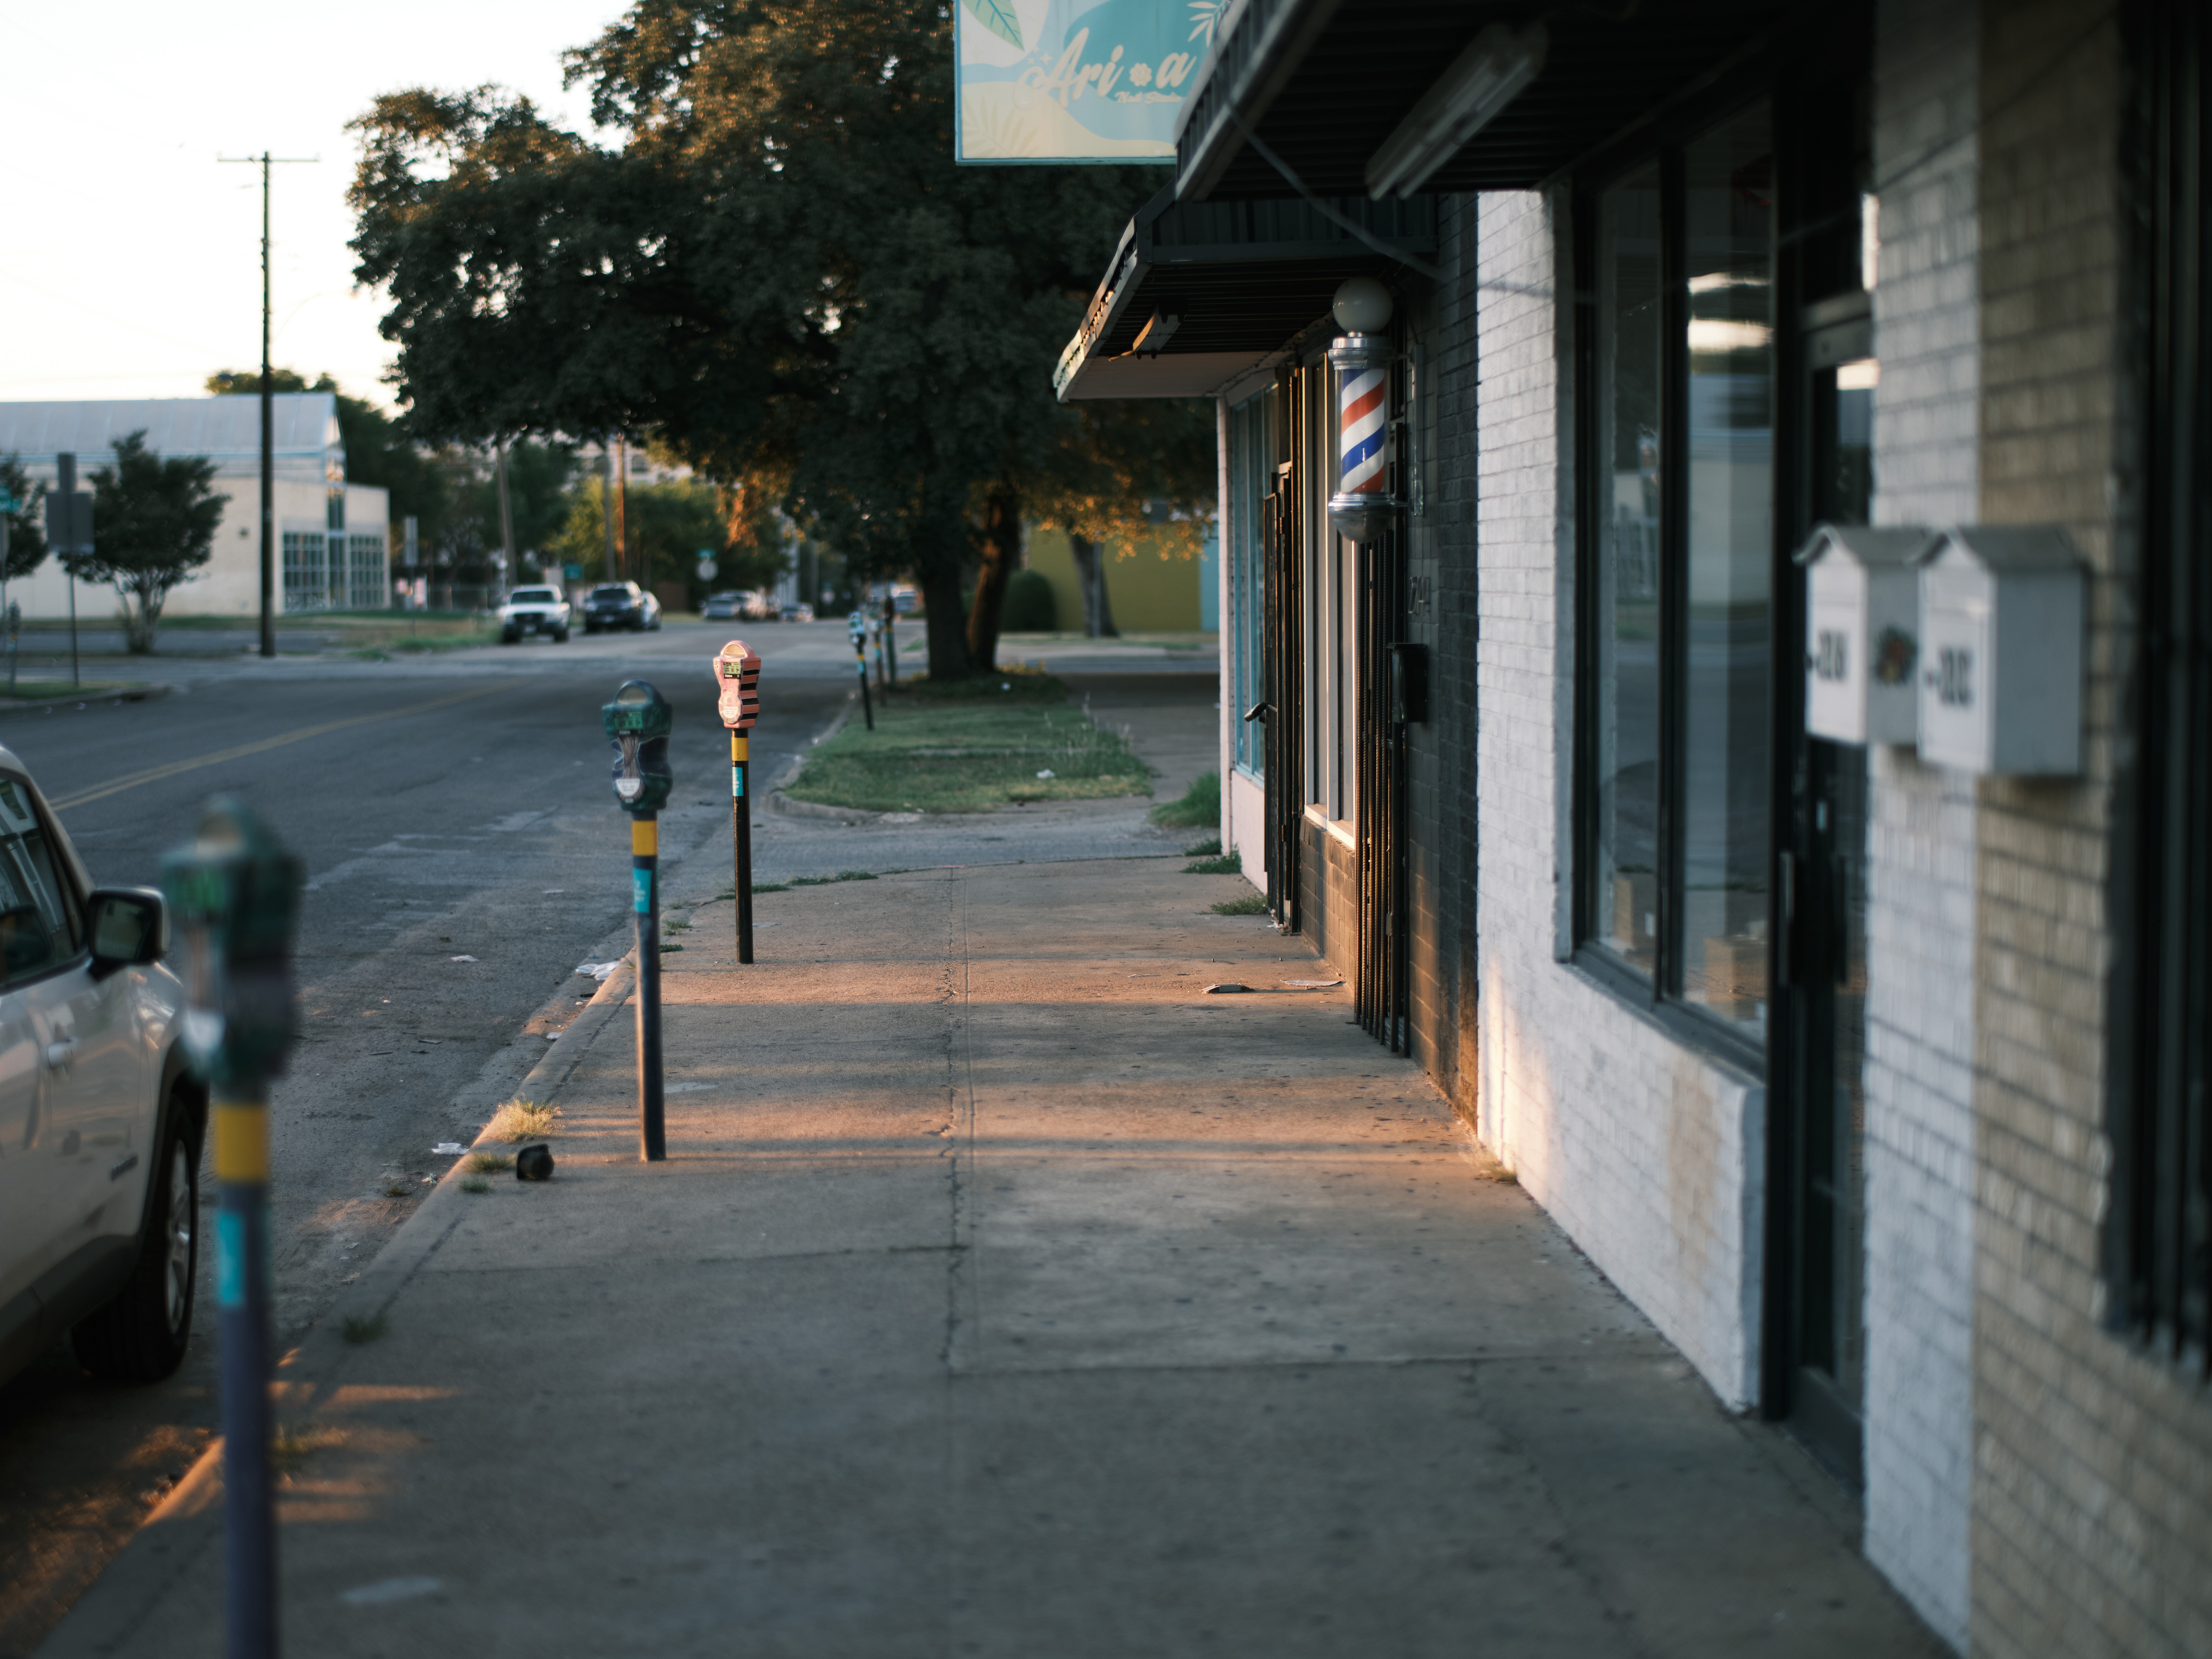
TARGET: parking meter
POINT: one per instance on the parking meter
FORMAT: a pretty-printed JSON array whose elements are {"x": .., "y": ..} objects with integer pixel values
[
  {"x": 638, "y": 722},
  {"x": 858, "y": 629},
  {"x": 737, "y": 680},
  {"x": 233, "y": 896}
]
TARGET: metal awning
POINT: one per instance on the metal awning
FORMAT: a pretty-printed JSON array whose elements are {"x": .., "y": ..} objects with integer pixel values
[
  {"x": 1200, "y": 295},
  {"x": 1322, "y": 84}
]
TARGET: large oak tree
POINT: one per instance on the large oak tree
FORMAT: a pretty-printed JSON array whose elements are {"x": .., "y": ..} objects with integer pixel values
[{"x": 777, "y": 270}]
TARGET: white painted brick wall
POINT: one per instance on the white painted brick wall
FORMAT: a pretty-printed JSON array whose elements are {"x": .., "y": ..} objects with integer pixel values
[
  {"x": 1636, "y": 1145},
  {"x": 1920, "y": 863}
]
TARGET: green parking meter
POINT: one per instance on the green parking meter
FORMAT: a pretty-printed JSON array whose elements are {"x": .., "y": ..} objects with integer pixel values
[
  {"x": 233, "y": 895},
  {"x": 638, "y": 723},
  {"x": 858, "y": 629}
]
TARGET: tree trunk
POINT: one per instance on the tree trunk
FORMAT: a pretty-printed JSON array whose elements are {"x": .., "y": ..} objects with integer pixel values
[
  {"x": 1090, "y": 569},
  {"x": 940, "y": 581},
  {"x": 1002, "y": 556}
]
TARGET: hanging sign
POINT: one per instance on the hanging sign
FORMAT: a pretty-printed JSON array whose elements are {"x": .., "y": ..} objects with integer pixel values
[{"x": 1043, "y": 81}]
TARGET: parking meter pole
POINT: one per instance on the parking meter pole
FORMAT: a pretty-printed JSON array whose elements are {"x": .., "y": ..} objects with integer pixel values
[
  {"x": 891, "y": 641},
  {"x": 645, "y": 885},
  {"x": 741, "y": 839},
  {"x": 241, "y": 1172},
  {"x": 233, "y": 896},
  {"x": 860, "y": 663}
]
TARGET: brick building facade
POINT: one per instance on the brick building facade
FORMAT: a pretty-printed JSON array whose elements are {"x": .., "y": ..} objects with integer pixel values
[{"x": 1878, "y": 1084}]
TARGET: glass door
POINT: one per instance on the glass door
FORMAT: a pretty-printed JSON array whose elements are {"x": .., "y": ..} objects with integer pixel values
[{"x": 1827, "y": 873}]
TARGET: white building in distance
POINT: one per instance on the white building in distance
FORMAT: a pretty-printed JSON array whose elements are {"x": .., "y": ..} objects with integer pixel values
[{"x": 333, "y": 535}]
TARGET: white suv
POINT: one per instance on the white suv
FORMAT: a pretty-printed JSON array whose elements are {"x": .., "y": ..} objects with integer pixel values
[
  {"x": 100, "y": 1123},
  {"x": 534, "y": 611}
]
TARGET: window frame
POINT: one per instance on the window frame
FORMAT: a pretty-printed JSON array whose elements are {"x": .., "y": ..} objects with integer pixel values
[{"x": 1660, "y": 995}]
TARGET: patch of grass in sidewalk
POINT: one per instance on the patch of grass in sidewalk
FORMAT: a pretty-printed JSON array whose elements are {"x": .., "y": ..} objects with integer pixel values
[
  {"x": 1200, "y": 804},
  {"x": 359, "y": 1328},
  {"x": 490, "y": 1163},
  {"x": 827, "y": 881},
  {"x": 475, "y": 1184},
  {"x": 759, "y": 887},
  {"x": 1251, "y": 904},
  {"x": 1209, "y": 847},
  {"x": 1225, "y": 864},
  {"x": 522, "y": 1120},
  {"x": 964, "y": 749}
]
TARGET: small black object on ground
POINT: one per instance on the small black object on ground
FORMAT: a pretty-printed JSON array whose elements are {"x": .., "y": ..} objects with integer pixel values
[{"x": 534, "y": 1163}]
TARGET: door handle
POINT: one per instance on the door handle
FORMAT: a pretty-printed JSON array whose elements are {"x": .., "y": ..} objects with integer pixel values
[{"x": 60, "y": 1054}]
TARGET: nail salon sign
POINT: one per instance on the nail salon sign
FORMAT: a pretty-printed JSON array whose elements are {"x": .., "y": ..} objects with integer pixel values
[{"x": 1058, "y": 80}]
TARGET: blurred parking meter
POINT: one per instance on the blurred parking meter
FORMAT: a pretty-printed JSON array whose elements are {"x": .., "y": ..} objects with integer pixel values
[
  {"x": 233, "y": 895},
  {"x": 736, "y": 677},
  {"x": 14, "y": 629},
  {"x": 638, "y": 722},
  {"x": 858, "y": 629},
  {"x": 890, "y": 640}
]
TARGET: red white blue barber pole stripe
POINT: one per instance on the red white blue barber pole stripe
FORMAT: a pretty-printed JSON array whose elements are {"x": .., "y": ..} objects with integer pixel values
[{"x": 1359, "y": 430}]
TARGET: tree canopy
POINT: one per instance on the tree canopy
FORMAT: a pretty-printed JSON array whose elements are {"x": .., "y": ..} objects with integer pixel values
[
  {"x": 26, "y": 535},
  {"x": 778, "y": 272},
  {"x": 154, "y": 523}
]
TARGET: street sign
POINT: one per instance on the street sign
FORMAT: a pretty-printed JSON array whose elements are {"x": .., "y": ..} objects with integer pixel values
[
  {"x": 575, "y": 573},
  {"x": 707, "y": 567},
  {"x": 68, "y": 522}
]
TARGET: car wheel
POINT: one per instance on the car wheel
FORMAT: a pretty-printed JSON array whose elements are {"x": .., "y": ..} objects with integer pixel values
[
  {"x": 560, "y": 636},
  {"x": 140, "y": 1336},
  {"x": 510, "y": 637}
]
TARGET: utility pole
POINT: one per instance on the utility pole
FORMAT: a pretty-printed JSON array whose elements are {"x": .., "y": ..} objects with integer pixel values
[
  {"x": 622, "y": 502},
  {"x": 607, "y": 502},
  {"x": 266, "y": 162},
  {"x": 510, "y": 571}
]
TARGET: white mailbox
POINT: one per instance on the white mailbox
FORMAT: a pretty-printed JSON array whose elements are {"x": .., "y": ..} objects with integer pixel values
[
  {"x": 2000, "y": 652},
  {"x": 1863, "y": 633}
]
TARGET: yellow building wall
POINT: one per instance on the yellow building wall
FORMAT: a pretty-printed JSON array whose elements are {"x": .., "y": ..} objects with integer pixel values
[{"x": 1147, "y": 591}]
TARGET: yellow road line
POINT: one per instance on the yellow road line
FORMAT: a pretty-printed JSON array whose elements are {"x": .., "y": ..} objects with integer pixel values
[{"x": 155, "y": 773}]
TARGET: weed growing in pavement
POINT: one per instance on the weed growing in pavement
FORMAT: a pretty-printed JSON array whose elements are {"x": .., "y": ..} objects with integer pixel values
[
  {"x": 1228, "y": 864},
  {"x": 476, "y": 1184},
  {"x": 1252, "y": 904},
  {"x": 825, "y": 881},
  {"x": 765, "y": 887},
  {"x": 289, "y": 1447},
  {"x": 358, "y": 1329},
  {"x": 1209, "y": 847},
  {"x": 522, "y": 1120},
  {"x": 490, "y": 1163},
  {"x": 1200, "y": 804},
  {"x": 674, "y": 925},
  {"x": 398, "y": 1189}
]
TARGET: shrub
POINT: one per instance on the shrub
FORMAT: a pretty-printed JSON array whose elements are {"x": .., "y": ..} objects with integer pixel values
[{"x": 1029, "y": 607}]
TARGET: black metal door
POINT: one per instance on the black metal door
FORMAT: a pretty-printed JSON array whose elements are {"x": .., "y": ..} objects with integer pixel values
[{"x": 1284, "y": 690}]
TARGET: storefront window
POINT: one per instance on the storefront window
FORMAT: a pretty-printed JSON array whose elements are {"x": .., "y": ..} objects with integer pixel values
[
  {"x": 1679, "y": 549},
  {"x": 1250, "y": 450},
  {"x": 1624, "y": 688}
]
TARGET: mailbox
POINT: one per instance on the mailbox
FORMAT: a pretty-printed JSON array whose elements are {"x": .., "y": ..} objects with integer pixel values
[
  {"x": 1863, "y": 633},
  {"x": 2000, "y": 652}
]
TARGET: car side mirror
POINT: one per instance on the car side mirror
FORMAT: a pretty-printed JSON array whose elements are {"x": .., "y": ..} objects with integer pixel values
[{"x": 129, "y": 927}]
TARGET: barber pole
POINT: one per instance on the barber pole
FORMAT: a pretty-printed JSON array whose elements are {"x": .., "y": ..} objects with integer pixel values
[{"x": 1362, "y": 506}]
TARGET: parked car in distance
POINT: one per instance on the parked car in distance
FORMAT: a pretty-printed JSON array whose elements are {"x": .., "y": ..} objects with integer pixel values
[
  {"x": 798, "y": 613},
  {"x": 723, "y": 607},
  {"x": 761, "y": 606},
  {"x": 905, "y": 598},
  {"x": 534, "y": 611},
  {"x": 100, "y": 1122},
  {"x": 620, "y": 605}
]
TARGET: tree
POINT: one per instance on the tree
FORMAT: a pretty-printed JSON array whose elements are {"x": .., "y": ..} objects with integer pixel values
[
  {"x": 666, "y": 525},
  {"x": 154, "y": 524},
  {"x": 27, "y": 535},
  {"x": 779, "y": 273}
]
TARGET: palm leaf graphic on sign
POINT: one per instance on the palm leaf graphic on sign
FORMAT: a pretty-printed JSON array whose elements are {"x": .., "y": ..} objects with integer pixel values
[{"x": 998, "y": 17}]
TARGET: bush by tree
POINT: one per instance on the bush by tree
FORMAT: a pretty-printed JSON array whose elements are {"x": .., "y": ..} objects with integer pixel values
[
  {"x": 1030, "y": 607},
  {"x": 154, "y": 524}
]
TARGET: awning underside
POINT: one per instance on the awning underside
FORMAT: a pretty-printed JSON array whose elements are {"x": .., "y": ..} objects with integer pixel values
[
  {"x": 1239, "y": 281},
  {"x": 1368, "y": 63}
]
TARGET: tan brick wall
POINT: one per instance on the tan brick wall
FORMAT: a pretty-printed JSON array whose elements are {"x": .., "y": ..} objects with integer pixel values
[{"x": 2092, "y": 1522}]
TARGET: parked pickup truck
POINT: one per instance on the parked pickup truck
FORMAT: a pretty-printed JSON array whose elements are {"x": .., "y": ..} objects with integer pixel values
[{"x": 534, "y": 611}]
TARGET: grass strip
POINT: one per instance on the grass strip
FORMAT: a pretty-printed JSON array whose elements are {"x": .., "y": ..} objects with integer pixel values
[
  {"x": 967, "y": 748},
  {"x": 1200, "y": 804},
  {"x": 1252, "y": 904}
]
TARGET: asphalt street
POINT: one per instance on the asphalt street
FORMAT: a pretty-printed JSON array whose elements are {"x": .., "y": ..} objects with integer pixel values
[{"x": 453, "y": 807}]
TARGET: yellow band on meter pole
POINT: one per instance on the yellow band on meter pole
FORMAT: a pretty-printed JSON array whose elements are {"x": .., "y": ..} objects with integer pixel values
[
  {"x": 241, "y": 1140},
  {"x": 645, "y": 837},
  {"x": 739, "y": 743}
]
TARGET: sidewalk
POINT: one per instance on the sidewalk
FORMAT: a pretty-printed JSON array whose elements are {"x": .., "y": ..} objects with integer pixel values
[{"x": 1004, "y": 1294}]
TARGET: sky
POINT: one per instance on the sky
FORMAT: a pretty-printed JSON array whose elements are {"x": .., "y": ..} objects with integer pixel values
[{"x": 131, "y": 260}]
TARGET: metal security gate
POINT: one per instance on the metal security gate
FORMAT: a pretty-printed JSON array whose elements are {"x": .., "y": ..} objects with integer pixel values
[{"x": 1285, "y": 697}]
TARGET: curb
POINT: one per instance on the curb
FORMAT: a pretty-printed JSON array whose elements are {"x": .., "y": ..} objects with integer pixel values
[{"x": 151, "y": 691}]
